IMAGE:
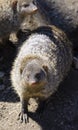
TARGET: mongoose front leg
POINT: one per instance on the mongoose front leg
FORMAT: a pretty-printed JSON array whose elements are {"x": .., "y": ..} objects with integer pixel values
[{"x": 23, "y": 116}]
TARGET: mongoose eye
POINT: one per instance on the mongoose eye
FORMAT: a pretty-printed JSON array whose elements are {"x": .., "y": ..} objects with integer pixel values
[{"x": 25, "y": 5}]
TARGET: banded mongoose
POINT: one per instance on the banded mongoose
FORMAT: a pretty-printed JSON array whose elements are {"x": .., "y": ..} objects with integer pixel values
[
  {"x": 34, "y": 21},
  {"x": 41, "y": 64},
  {"x": 12, "y": 14}
]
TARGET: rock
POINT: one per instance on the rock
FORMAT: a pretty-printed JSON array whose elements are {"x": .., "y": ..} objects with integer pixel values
[
  {"x": 75, "y": 60},
  {"x": 2, "y": 87},
  {"x": 2, "y": 74},
  {"x": 1, "y": 58},
  {"x": 63, "y": 14}
]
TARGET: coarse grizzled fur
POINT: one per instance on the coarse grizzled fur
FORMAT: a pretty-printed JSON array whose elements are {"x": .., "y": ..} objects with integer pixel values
[
  {"x": 51, "y": 47},
  {"x": 41, "y": 64}
]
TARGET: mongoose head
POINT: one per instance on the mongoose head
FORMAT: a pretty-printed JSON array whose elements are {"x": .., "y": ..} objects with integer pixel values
[
  {"x": 24, "y": 7},
  {"x": 34, "y": 75}
]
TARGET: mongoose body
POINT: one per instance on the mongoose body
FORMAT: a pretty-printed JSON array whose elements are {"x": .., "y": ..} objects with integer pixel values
[
  {"x": 41, "y": 64},
  {"x": 12, "y": 14}
]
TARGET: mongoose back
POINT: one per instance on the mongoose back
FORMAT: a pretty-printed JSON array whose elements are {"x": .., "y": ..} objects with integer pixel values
[
  {"x": 41, "y": 64},
  {"x": 12, "y": 14}
]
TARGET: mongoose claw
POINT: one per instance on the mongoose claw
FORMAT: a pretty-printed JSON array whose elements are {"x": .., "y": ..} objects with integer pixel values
[{"x": 23, "y": 117}]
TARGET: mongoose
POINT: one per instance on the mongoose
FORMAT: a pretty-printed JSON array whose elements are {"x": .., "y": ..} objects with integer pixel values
[
  {"x": 34, "y": 21},
  {"x": 41, "y": 64},
  {"x": 30, "y": 23},
  {"x": 12, "y": 14}
]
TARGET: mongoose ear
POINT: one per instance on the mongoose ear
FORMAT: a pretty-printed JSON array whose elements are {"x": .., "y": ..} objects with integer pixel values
[
  {"x": 45, "y": 68},
  {"x": 14, "y": 5}
]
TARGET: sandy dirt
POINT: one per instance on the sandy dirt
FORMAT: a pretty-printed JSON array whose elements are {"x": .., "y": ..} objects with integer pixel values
[{"x": 61, "y": 110}]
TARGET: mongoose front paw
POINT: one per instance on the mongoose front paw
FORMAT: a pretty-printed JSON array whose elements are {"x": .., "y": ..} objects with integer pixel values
[{"x": 23, "y": 117}]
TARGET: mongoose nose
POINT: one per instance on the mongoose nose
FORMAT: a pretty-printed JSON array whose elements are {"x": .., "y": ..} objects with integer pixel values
[
  {"x": 38, "y": 76},
  {"x": 35, "y": 79}
]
